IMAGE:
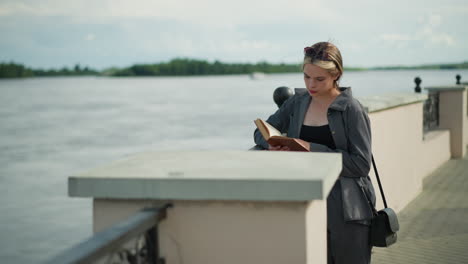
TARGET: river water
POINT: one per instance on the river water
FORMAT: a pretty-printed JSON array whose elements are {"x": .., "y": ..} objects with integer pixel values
[{"x": 51, "y": 128}]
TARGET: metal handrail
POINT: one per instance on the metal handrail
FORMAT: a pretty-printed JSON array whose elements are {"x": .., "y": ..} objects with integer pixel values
[{"x": 109, "y": 240}]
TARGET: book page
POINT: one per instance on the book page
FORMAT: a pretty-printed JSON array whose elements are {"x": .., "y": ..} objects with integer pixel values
[
  {"x": 274, "y": 137},
  {"x": 261, "y": 127},
  {"x": 272, "y": 131}
]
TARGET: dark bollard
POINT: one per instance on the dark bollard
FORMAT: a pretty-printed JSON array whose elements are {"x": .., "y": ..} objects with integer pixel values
[
  {"x": 417, "y": 81},
  {"x": 281, "y": 94},
  {"x": 458, "y": 77}
]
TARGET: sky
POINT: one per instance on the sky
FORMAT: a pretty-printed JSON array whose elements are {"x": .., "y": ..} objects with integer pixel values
[{"x": 118, "y": 33}]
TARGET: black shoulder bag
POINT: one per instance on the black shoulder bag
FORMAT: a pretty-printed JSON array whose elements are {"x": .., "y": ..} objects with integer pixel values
[{"x": 384, "y": 224}]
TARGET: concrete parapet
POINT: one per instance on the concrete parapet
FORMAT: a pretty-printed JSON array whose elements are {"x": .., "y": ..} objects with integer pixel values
[
  {"x": 384, "y": 102},
  {"x": 403, "y": 152},
  {"x": 228, "y": 207}
]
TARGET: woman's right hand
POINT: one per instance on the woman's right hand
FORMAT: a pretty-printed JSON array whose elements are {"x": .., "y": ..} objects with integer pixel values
[{"x": 278, "y": 148}]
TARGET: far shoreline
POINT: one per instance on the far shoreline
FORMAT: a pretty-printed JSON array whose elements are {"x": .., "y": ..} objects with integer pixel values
[{"x": 191, "y": 68}]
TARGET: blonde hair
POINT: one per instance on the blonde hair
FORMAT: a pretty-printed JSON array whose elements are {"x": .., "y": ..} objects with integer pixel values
[{"x": 326, "y": 56}]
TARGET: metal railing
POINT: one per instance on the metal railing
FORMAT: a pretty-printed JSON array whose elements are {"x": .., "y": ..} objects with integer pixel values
[
  {"x": 134, "y": 240},
  {"x": 431, "y": 112}
]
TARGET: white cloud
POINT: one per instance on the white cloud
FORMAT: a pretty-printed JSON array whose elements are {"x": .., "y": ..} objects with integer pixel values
[
  {"x": 12, "y": 8},
  {"x": 42, "y": 8},
  {"x": 397, "y": 40},
  {"x": 256, "y": 45},
  {"x": 4, "y": 11},
  {"x": 90, "y": 37},
  {"x": 443, "y": 38},
  {"x": 435, "y": 20},
  {"x": 428, "y": 33},
  {"x": 449, "y": 9},
  {"x": 202, "y": 11},
  {"x": 243, "y": 30},
  {"x": 354, "y": 46},
  {"x": 396, "y": 37}
]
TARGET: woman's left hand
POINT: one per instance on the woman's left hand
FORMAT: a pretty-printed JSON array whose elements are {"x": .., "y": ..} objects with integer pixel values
[{"x": 278, "y": 148}]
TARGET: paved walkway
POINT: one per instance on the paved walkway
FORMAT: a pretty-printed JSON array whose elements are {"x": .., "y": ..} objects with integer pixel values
[{"x": 434, "y": 226}]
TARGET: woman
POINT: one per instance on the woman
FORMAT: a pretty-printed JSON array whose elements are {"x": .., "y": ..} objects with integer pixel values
[{"x": 328, "y": 119}]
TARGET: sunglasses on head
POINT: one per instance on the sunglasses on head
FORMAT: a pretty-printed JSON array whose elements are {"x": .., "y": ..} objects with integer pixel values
[{"x": 314, "y": 54}]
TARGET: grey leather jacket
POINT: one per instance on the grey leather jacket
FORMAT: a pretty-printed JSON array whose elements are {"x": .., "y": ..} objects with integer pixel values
[{"x": 351, "y": 132}]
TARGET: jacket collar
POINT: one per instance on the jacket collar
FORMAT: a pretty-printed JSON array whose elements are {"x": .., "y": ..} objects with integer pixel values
[
  {"x": 340, "y": 103},
  {"x": 342, "y": 100}
]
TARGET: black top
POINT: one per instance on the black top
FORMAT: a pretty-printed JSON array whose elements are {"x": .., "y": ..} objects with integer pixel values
[{"x": 318, "y": 134}]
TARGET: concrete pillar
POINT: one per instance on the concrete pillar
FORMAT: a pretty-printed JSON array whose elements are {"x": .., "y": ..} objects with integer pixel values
[
  {"x": 453, "y": 116},
  {"x": 228, "y": 206},
  {"x": 231, "y": 232}
]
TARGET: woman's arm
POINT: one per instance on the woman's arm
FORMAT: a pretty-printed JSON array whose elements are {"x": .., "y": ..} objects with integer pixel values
[
  {"x": 279, "y": 120},
  {"x": 357, "y": 160}
]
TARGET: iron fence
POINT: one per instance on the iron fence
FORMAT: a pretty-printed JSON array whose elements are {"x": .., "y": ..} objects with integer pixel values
[
  {"x": 431, "y": 112},
  {"x": 132, "y": 241}
]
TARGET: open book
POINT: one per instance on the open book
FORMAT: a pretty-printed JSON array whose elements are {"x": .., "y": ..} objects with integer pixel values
[{"x": 274, "y": 137}]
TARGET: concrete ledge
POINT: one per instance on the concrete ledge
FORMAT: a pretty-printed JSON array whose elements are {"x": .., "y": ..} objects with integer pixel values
[
  {"x": 446, "y": 88},
  {"x": 435, "y": 134},
  {"x": 378, "y": 103},
  {"x": 203, "y": 175},
  {"x": 383, "y": 102}
]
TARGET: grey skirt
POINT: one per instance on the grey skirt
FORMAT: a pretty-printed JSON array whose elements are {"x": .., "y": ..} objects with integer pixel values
[{"x": 348, "y": 242}]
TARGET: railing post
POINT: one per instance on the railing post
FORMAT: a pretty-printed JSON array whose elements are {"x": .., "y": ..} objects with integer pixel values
[
  {"x": 281, "y": 94},
  {"x": 417, "y": 81},
  {"x": 152, "y": 246}
]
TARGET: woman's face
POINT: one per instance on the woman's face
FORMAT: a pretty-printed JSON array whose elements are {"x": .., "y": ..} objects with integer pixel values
[{"x": 318, "y": 81}]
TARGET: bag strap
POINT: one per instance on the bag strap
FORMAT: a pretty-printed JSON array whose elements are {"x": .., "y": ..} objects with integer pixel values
[{"x": 380, "y": 184}]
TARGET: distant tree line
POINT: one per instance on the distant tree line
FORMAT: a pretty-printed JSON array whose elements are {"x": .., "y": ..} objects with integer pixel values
[
  {"x": 447, "y": 66},
  {"x": 14, "y": 70},
  {"x": 201, "y": 67},
  {"x": 181, "y": 66},
  {"x": 75, "y": 71}
]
